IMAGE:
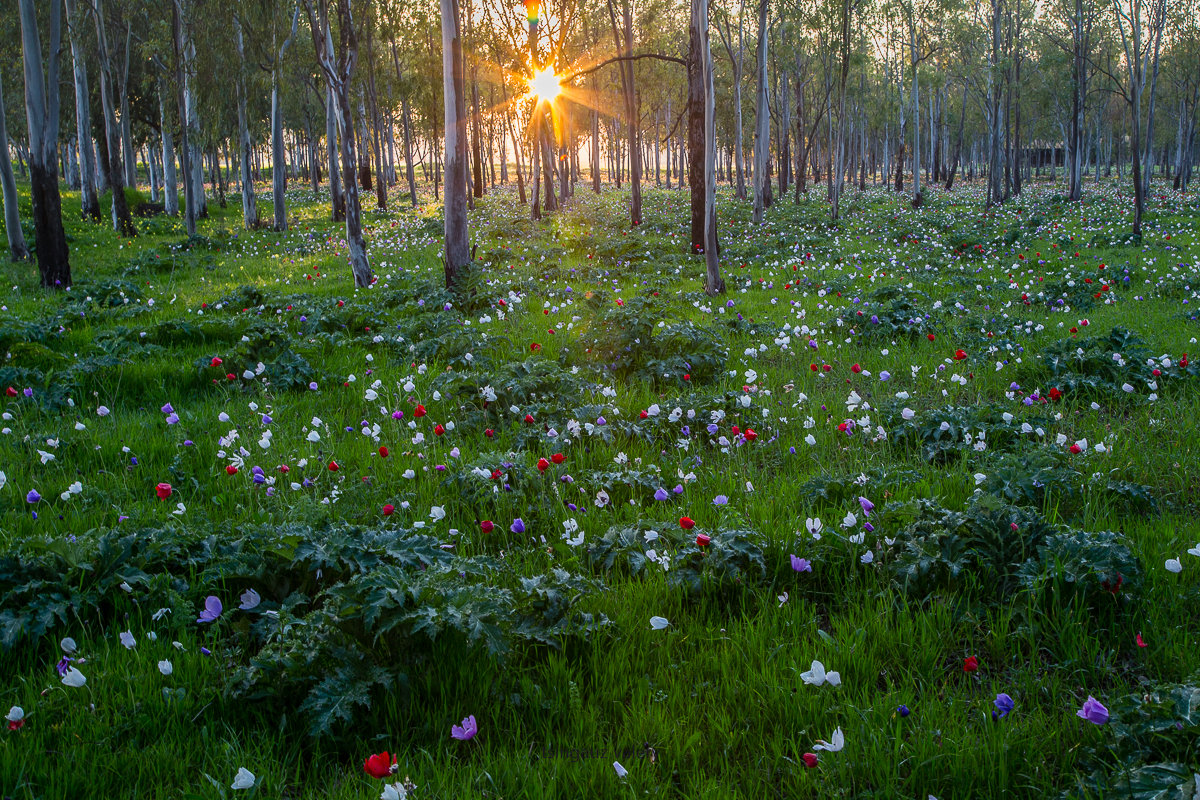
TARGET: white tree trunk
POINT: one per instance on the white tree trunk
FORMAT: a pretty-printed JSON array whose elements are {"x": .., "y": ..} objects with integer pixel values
[
  {"x": 249, "y": 203},
  {"x": 170, "y": 184},
  {"x": 762, "y": 119},
  {"x": 278, "y": 173},
  {"x": 17, "y": 249}
]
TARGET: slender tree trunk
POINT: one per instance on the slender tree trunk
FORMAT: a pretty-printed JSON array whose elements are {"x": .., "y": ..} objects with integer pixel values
[
  {"x": 962, "y": 121},
  {"x": 89, "y": 198},
  {"x": 121, "y": 219},
  {"x": 278, "y": 169},
  {"x": 249, "y": 203},
  {"x": 737, "y": 63},
  {"x": 595, "y": 153},
  {"x": 17, "y": 249},
  {"x": 713, "y": 283},
  {"x": 41, "y": 115},
  {"x": 762, "y": 119},
  {"x": 337, "y": 197},
  {"x": 126, "y": 125},
  {"x": 456, "y": 256},
  {"x": 516, "y": 146},
  {"x": 698, "y": 74},
  {"x": 170, "y": 184},
  {"x": 180, "y": 43}
]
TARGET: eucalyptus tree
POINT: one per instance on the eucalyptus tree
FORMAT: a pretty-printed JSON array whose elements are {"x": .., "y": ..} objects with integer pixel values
[
  {"x": 1140, "y": 24},
  {"x": 1181, "y": 65},
  {"x": 762, "y": 119},
  {"x": 89, "y": 199},
  {"x": 18, "y": 250},
  {"x": 111, "y": 143},
  {"x": 249, "y": 203},
  {"x": 456, "y": 256},
  {"x": 713, "y": 283},
  {"x": 737, "y": 62},
  {"x": 42, "y": 117},
  {"x": 338, "y": 67},
  {"x": 278, "y": 165}
]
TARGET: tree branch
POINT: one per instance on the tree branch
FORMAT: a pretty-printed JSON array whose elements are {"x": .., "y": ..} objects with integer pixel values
[{"x": 615, "y": 59}]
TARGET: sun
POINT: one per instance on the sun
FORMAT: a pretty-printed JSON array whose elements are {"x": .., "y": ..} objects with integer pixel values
[{"x": 545, "y": 84}]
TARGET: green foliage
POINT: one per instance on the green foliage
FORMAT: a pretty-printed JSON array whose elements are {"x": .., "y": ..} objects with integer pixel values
[
  {"x": 898, "y": 313},
  {"x": 1100, "y": 366},
  {"x": 635, "y": 342},
  {"x": 1008, "y": 549},
  {"x": 942, "y": 435},
  {"x": 732, "y": 560},
  {"x": 346, "y": 610}
]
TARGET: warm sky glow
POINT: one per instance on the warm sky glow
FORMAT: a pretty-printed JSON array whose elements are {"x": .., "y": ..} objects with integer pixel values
[{"x": 545, "y": 84}]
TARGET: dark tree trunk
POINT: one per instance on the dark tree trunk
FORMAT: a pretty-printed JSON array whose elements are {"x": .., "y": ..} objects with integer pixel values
[
  {"x": 456, "y": 256},
  {"x": 41, "y": 113}
]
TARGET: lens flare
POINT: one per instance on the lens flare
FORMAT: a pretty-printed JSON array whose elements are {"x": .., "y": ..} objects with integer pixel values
[{"x": 545, "y": 84}]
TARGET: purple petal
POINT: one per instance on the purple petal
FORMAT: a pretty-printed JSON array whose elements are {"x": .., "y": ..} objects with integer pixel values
[{"x": 212, "y": 609}]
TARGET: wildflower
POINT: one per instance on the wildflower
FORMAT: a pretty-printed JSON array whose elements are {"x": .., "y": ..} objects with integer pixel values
[
  {"x": 1093, "y": 711},
  {"x": 466, "y": 731},
  {"x": 1003, "y": 704},
  {"x": 687, "y": 523},
  {"x": 809, "y": 759},
  {"x": 380, "y": 765},
  {"x": 16, "y": 718},
  {"x": 212, "y": 609},
  {"x": 73, "y": 678},
  {"x": 621, "y": 771},
  {"x": 250, "y": 600},
  {"x": 836, "y": 743},
  {"x": 243, "y": 780},
  {"x": 817, "y": 676},
  {"x": 800, "y": 564},
  {"x": 970, "y": 664},
  {"x": 518, "y": 525},
  {"x": 658, "y": 623},
  {"x": 163, "y": 490},
  {"x": 703, "y": 540}
]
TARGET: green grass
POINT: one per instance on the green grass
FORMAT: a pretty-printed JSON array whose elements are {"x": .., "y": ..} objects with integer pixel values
[{"x": 712, "y": 706}]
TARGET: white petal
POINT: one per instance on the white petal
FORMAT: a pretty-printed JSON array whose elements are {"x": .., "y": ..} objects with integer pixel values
[
  {"x": 658, "y": 623},
  {"x": 250, "y": 600},
  {"x": 73, "y": 678},
  {"x": 243, "y": 780}
]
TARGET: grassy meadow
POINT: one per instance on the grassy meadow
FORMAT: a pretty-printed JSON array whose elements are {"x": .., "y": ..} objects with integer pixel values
[{"x": 283, "y": 524}]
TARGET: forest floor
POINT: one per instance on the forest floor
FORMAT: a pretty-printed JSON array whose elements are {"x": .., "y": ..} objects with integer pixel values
[{"x": 254, "y": 518}]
